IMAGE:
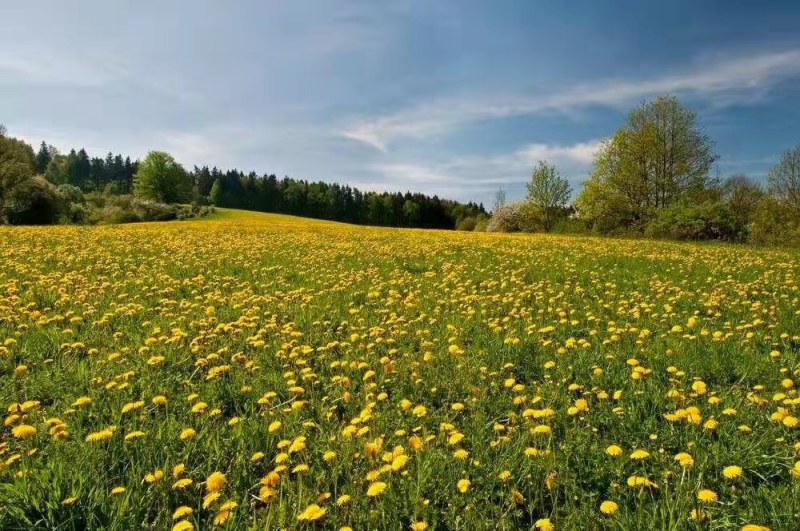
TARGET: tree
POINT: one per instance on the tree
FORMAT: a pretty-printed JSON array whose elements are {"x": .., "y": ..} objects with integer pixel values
[
  {"x": 742, "y": 196},
  {"x": 411, "y": 213},
  {"x": 161, "y": 178},
  {"x": 784, "y": 179},
  {"x": 658, "y": 158},
  {"x": 3, "y": 130},
  {"x": 57, "y": 171},
  {"x": 549, "y": 192},
  {"x": 215, "y": 195},
  {"x": 17, "y": 165},
  {"x": 44, "y": 156}
]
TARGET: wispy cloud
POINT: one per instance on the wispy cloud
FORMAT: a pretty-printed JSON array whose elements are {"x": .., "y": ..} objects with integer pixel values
[
  {"x": 474, "y": 176},
  {"x": 722, "y": 81},
  {"x": 44, "y": 67}
]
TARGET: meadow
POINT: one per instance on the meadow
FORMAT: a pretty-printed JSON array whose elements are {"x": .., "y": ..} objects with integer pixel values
[{"x": 257, "y": 371}]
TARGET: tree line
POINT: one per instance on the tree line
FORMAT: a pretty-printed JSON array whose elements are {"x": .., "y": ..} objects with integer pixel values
[
  {"x": 161, "y": 179},
  {"x": 267, "y": 193},
  {"x": 653, "y": 178}
]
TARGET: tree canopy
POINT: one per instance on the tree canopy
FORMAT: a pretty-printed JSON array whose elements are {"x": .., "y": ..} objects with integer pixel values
[
  {"x": 549, "y": 192},
  {"x": 161, "y": 178},
  {"x": 784, "y": 179},
  {"x": 655, "y": 160}
]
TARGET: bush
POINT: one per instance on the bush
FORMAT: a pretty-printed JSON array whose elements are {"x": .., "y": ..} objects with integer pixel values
[
  {"x": 480, "y": 223},
  {"x": 468, "y": 224},
  {"x": 774, "y": 223},
  {"x": 34, "y": 202},
  {"x": 104, "y": 209},
  {"x": 504, "y": 219},
  {"x": 516, "y": 217},
  {"x": 710, "y": 220},
  {"x": 193, "y": 211}
]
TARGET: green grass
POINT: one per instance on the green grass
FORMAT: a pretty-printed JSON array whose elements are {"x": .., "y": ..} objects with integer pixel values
[{"x": 362, "y": 319}]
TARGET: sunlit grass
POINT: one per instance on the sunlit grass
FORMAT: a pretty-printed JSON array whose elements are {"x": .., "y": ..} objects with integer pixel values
[{"x": 260, "y": 371}]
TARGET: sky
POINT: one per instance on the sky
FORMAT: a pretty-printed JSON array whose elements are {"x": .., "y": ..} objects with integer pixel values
[{"x": 456, "y": 98}]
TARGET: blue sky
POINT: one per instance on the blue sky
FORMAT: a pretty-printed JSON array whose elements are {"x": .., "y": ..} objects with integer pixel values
[{"x": 455, "y": 98}]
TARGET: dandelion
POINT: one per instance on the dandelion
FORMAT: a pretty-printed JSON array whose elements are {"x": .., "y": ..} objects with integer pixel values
[
  {"x": 344, "y": 499},
  {"x": 215, "y": 482},
  {"x": 376, "y": 489},
  {"x": 732, "y": 472},
  {"x": 311, "y": 513},
  {"x": 463, "y": 485},
  {"x": 640, "y": 455},
  {"x": 181, "y": 484},
  {"x": 181, "y": 512},
  {"x": 614, "y": 450},
  {"x": 609, "y": 507},
  {"x": 23, "y": 431},
  {"x": 707, "y": 496}
]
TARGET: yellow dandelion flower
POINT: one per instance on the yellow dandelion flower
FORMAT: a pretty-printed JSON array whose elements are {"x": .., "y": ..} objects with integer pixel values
[
  {"x": 311, "y": 513},
  {"x": 376, "y": 489},
  {"x": 732, "y": 472},
  {"x": 707, "y": 496},
  {"x": 23, "y": 431},
  {"x": 181, "y": 511},
  {"x": 609, "y": 507},
  {"x": 215, "y": 482}
]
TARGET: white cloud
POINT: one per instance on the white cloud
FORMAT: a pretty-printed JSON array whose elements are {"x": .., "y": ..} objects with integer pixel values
[
  {"x": 582, "y": 152},
  {"x": 470, "y": 177},
  {"x": 722, "y": 82}
]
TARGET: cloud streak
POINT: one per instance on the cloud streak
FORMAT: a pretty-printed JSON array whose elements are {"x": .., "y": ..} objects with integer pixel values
[
  {"x": 475, "y": 176},
  {"x": 723, "y": 81}
]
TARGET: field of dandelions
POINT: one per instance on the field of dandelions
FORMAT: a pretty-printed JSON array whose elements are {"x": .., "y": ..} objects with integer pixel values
[{"x": 253, "y": 371}]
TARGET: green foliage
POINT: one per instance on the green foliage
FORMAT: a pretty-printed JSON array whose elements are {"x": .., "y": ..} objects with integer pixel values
[
  {"x": 658, "y": 158},
  {"x": 774, "y": 223},
  {"x": 57, "y": 171},
  {"x": 784, "y": 179},
  {"x": 104, "y": 209},
  {"x": 467, "y": 224},
  {"x": 742, "y": 195},
  {"x": 160, "y": 178},
  {"x": 34, "y": 202},
  {"x": 17, "y": 165},
  {"x": 194, "y": 210},
  {"x": 710, "y": 220},
  {"x": 215, "y": 196},
  {"x": 549, "y": 192}
]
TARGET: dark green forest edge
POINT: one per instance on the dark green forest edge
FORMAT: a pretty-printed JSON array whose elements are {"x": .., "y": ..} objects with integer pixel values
[{"x": 652, "y": 178}]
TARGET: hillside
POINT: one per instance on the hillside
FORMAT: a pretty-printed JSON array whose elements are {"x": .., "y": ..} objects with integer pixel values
[{"x": 263, "y": 371}]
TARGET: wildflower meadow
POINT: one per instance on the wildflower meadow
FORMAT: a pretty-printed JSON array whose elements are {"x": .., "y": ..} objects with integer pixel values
[{"x": 259, "y": 371}]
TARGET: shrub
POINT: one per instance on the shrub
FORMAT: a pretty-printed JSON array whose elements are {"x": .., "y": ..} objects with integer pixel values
[
  {"x": 516, "y": 217},
  {"x": 193, "y": 211},
  {"x": 34, "y": 202},
  {"x": 710, "y": 220},
  {"x": 468, "y": 223},
  {"x": 774, "y": 223},
  {"x": 104, "y": 209}
]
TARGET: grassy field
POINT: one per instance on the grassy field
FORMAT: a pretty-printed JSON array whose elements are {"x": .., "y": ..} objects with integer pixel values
[{"x": 255, "y": 371}]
